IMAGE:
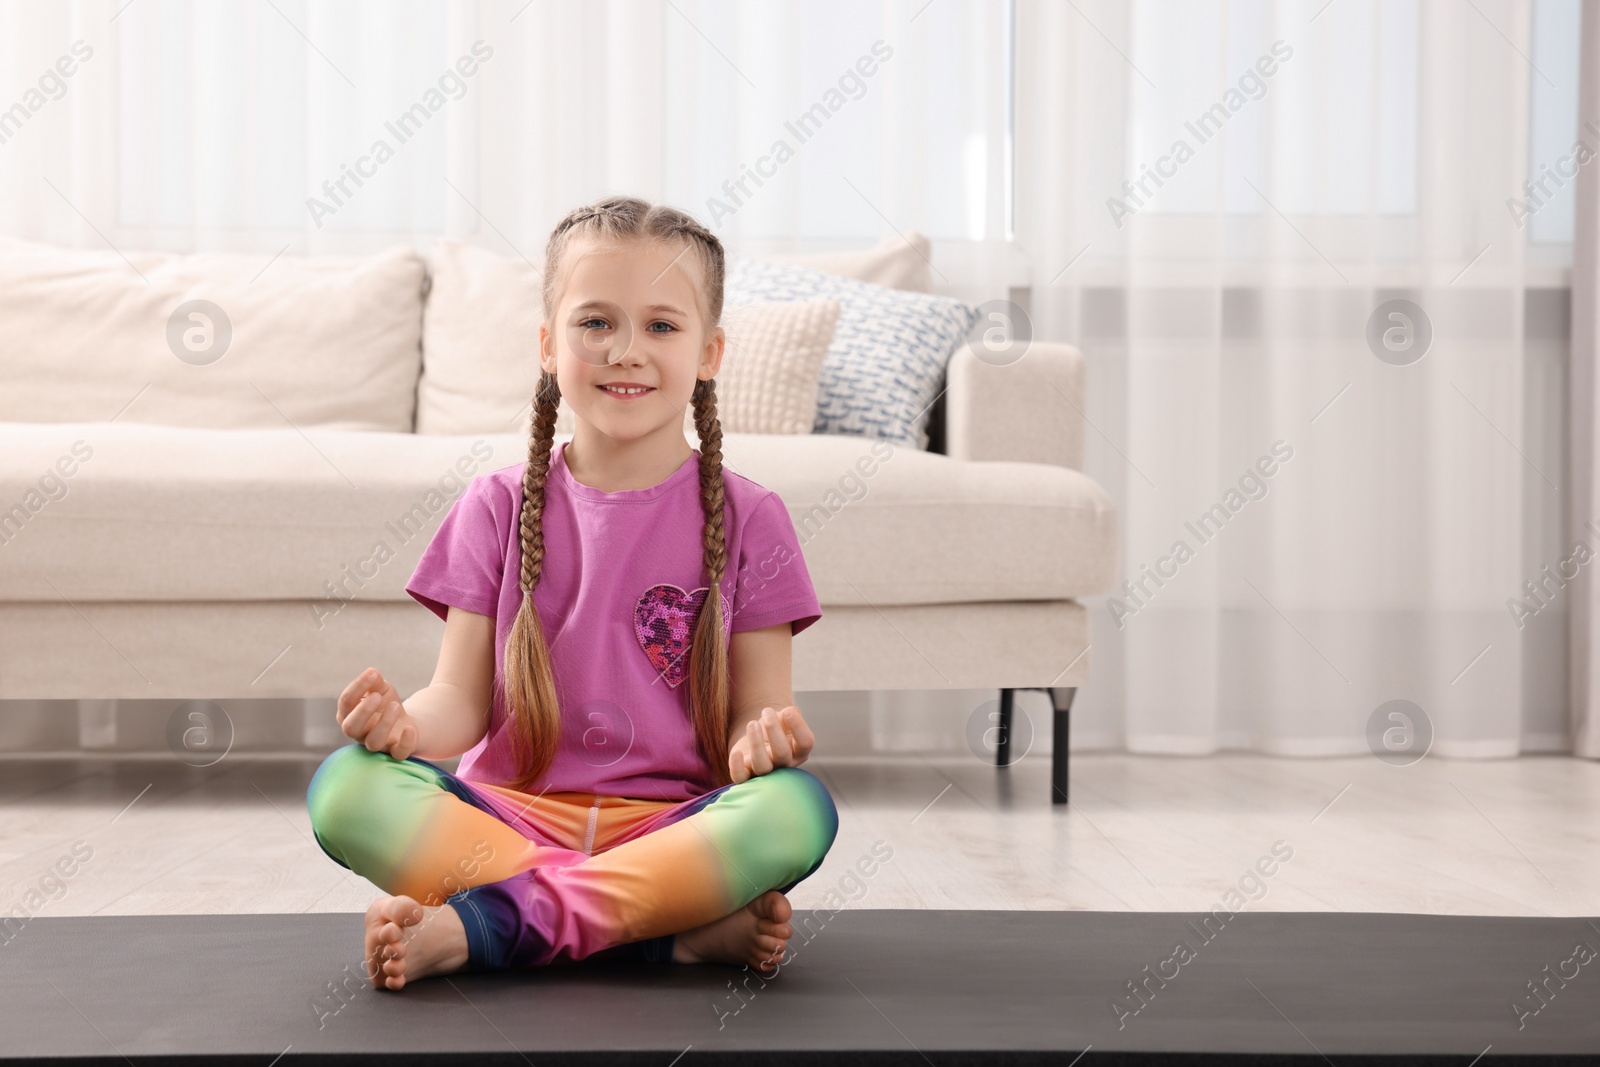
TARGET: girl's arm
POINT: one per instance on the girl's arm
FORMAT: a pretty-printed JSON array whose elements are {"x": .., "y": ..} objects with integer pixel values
[
  {"x": 452, "y": 711},
  {"x": 760, "y": 671}
]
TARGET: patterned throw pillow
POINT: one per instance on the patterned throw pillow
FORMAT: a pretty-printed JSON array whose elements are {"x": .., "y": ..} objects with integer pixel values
[
  {"x": 771, "y": 365},
  {"x": 889, "y": 351}
]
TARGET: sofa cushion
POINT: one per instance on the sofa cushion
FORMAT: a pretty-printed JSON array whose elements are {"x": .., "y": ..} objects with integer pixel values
[
  {"x": 120, "y": 512},
  {"x": 899, "y": 263},
  {"x": 480, "y": 342},
  {"x": 209, "y": 339},
  {"x": 770, "y": 369}
]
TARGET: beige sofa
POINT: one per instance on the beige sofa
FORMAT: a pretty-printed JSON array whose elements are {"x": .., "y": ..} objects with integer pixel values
[{"x": 248, "y": 531}]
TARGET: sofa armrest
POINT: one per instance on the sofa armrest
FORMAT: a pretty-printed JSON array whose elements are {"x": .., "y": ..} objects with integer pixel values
[{"x": 1030, "y": 410}]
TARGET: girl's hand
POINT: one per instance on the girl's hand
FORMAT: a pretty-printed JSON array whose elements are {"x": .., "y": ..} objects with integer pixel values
[
  {"x": 370, "y": 712},
  {"x": 779, "y": 738}
]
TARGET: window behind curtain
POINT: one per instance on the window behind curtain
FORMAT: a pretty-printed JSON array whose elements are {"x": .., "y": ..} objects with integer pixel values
[
  {"x": 233, "y": 116},
  {"x": 1348, "y": 90}
]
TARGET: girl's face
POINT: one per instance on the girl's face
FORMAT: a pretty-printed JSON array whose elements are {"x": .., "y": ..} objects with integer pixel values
[{"x": 629, "y": 338}]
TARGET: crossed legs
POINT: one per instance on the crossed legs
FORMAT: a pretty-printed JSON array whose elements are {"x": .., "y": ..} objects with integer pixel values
[{"x": 534, "y": 880}]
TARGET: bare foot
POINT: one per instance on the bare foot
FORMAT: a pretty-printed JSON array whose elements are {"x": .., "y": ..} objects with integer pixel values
[
  {"x": 757, "y": 934},
  {"x": 406, "y": 941}
]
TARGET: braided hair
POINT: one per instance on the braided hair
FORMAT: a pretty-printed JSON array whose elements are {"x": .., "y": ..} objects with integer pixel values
[{"x": 532, "y": 702}]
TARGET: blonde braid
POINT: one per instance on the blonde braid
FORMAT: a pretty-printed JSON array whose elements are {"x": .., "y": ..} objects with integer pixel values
[
  {"x": 532, "y": 702},
  {"x": 708, "y": 660}
]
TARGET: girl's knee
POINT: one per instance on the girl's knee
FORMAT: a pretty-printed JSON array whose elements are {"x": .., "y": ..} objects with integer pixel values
[
  {"x": 344, "y": 780},
  {"x": 329, "y": 781},
  {"x": 797, "y": 809},
  {"x": 811, "y": 792},
  {"x": 334, "y": 768}
]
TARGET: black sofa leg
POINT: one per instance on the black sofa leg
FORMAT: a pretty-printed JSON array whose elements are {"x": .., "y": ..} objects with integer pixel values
[
  {"x": 1061, "y": 700},
  {"x": 1002, "y": 746}
]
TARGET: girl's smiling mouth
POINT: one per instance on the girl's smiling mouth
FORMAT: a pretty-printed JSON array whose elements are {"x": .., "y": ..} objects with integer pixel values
[{"x": 625, "y": 390}]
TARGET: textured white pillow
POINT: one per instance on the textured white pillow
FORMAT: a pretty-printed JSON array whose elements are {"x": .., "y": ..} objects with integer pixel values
[
  {"x": 324, "y": 341},
  {"x": 770, "y": 368},
  {"x": 772, "y": 365}
]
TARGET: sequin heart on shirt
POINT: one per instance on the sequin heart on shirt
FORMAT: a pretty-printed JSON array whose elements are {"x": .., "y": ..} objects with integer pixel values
[{"x": 664, "y": 619}]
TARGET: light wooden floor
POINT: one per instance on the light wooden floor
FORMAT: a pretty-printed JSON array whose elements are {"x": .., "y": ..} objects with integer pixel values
[{"x": 1144, "y": 833}]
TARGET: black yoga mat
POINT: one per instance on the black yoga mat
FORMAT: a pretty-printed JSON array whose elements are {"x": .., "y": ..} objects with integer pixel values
[{"x": 860, "y": 986}]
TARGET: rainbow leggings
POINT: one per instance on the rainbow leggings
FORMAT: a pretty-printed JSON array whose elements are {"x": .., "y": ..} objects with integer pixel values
[{"x": 566, "y": 876}]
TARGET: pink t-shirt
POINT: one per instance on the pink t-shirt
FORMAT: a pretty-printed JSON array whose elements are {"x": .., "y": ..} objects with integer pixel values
[{"x": 621, "y": 588}]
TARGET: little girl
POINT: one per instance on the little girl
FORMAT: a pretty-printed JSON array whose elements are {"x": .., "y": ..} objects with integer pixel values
[{"x": 615, "y": 664}]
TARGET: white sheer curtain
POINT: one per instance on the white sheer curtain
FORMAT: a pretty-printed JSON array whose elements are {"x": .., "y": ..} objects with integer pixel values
[
  {"x": 1365, "y": 153},
  {"x": 200, "y": 125},
  {"x": 1585, "y": 405},
  {"x": 1221, "y": 311}
]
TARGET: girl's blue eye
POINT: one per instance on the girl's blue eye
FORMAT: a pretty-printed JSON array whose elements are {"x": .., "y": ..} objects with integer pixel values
[{"x": 590, "y": 324}]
